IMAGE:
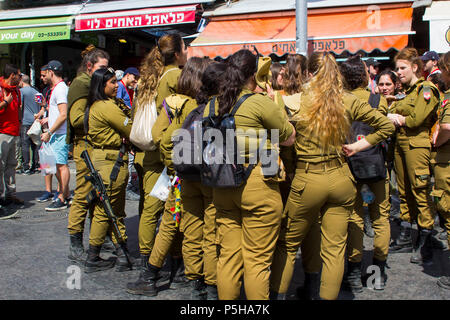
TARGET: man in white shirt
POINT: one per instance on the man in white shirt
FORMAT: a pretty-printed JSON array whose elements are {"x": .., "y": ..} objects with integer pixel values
[{"x": 56, "y": 134}]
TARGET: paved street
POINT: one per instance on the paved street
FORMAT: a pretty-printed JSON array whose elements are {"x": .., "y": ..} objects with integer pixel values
[{"x": 34, "y": 264}]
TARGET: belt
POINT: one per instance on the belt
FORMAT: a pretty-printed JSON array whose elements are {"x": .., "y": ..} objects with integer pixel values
[{"x": 322, "y": 166}]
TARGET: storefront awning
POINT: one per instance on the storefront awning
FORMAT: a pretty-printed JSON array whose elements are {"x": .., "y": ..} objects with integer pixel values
[
  {"x": 142, "y": 18},
  {"x": 347, "y": 29},
  {"x": 35, "y": 30},
  {"x": 439, "y": 16}
]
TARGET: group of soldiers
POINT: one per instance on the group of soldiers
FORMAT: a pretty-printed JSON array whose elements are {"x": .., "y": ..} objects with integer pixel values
[{"x": 252, "y": 232}]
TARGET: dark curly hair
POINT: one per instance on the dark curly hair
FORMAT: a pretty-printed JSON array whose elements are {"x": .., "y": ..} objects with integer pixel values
[
  {"x": 354, "y": 73},
  {"x": 240, "y": 67},
  {"x": 210, "y": 81},
  {"x": 294, "y": 74}
]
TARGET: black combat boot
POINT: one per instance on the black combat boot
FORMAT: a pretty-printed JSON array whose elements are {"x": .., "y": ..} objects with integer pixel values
[
  {"x": 94, "y": 262},
  {"x": 383, "y": 276},
  {"x": 352, "y": 279},
  {"x": 143, "y": 262},
  {"x": 368, "y": 229},
  {"x": 108, "y": 246},
  {"x": 423, "y": 251},
  {"x": 198, "y": 289},
  {"x": 310, "y": 289},
  {"x": 76, "y": 249},
  {"x": 177, "y": 277},
  {"x": 122, "y": 263},
  {"x": 276, "y": 296},
  {"x": 146, "y": 284},
  {"x": 211, "y": 292},
  {"x": 403, "y": 243}
]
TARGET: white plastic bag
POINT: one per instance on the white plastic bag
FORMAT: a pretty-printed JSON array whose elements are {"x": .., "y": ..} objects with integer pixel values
[
  {"x": 141, "y": 130},
  {"x": 161, "y": 189},
  {"x": 47, "y": 159},
  {"x": 35, "y": 132}
]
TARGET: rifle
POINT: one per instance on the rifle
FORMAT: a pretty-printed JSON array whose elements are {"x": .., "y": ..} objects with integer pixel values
[{"x": 99, "y": 192}]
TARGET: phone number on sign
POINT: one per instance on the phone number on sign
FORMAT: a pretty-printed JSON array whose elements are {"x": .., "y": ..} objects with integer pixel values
[{"x": 52, "y": 34}]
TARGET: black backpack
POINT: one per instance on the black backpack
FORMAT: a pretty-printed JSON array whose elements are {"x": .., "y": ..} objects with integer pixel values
[
  {"x": 368, "y": 166},
  {"x": 226, "y": 174},
  {"x": 189, "y": 168}
]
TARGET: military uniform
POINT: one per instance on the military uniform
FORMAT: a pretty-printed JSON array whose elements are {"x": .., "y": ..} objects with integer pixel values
[
  {"x": 310, "y": 247},
  {"x": 198, "y": 222},
  {"x": 108, "y": 125},
  {"x": 323, "y": 185},
  {"x": 441, "y": 190},
  {"x": 149, "y": 167},
  {"x": 378, "y": 210},
  {"x": 248, "y": 217},
  {"x": 77, "y": 95},
  {"x": 412, "y": 152}
]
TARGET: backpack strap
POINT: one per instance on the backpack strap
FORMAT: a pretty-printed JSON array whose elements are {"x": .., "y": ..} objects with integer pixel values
[
  {"x": 374, "y": 100},
  {"x": 240, "y": 101}
]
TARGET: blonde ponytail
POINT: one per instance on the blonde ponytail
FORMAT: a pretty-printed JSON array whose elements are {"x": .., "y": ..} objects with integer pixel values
[
  {"x": 152, "y": 67},
  {"x": 151, "y": 70},
  {"x": 327, "y": 119}
]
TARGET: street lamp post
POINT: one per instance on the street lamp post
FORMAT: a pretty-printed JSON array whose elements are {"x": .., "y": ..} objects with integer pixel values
[{"x": 301, "y": 21}]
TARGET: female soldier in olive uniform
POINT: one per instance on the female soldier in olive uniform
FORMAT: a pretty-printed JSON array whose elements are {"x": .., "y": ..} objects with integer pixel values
[
  {"x": 93, "y": 59},
  {"x": 323, "y": 184},
  {"x": 249, "y": 216},
  {"x": 442, "y": 160},
  {"x": 198, "y": 219},
  {"x": 109, "y": 124},
  {"x": 163, "y": 64},
  {"x": 414, "y": 115},
  {"x": 355, "y": 76},
  {"x": 159, "y": 76}
]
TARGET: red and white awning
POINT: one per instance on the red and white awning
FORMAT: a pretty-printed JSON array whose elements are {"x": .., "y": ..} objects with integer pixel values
[{"x": 142, "y": 18}]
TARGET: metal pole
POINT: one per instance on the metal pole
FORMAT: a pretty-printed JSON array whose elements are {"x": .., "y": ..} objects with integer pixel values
[{"x": 301, "y": 20}]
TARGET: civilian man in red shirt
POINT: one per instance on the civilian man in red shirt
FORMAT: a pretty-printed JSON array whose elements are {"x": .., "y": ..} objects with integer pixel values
[{"x": 9, "y": 133}]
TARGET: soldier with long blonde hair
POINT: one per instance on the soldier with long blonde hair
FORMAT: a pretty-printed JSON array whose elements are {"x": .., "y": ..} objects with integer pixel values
[{"x": 323, "y": 185}]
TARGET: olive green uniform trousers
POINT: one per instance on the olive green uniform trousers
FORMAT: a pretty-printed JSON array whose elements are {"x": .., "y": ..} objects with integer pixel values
[
  {"x": 248, "y": 220},
  {"x": 150, "y": 208},
  {"x": 318, "y": 191},
  {"x": 104, "y": 161},
  {"x": 442, "y": 193},
  {"x": 80, "y": 207},
  {"x": 198, "y": 225},
  {"x": 412, "y": 168},
  {"x": 169, "y": 238},
  {"x": 379, "y": 215}
]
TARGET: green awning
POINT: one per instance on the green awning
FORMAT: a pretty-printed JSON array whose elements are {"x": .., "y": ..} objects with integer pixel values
[{"x": 35, "y": 30}]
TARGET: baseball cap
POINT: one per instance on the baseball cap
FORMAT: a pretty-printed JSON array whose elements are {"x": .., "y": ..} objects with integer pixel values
[
  {"x": 53, "y": 65},
  {"x": 131, "y": 70},
  {"x": 372, "y": 62},
  {"x": 430, "y": 55}
]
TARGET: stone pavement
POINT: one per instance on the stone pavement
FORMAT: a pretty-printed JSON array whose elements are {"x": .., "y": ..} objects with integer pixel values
[{"x": 34, "y": 264}]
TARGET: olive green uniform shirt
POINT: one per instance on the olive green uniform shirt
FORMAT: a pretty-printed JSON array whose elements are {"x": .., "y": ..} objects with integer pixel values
[
  {"x": 258, "y": 112},
  {"x": 419, "y": 113},
  {"x": 364, "y": 94},
  {"x": 443, "y": 151},
  {"x": 180, "y": 105},
  {"x": 77, "y": 98},
  {"x": 108, "y": 124},
  {"x": 308, "y": 147}
]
